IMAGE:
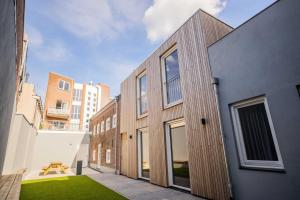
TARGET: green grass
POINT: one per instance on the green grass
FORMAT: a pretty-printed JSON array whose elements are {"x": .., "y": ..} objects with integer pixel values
[
  {"x": 181, "y": 172},
  {"x": 64, "y": 188}
]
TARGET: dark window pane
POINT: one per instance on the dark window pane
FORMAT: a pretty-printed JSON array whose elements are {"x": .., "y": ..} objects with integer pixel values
[
  {"x": 180, "y": 163},
  {"x": 257, "y": 134},
  {"x": 61, "y": 84},
  {"x": 172, "y": 78}
]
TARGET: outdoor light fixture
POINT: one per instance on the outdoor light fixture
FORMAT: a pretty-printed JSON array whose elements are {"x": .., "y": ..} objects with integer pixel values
[
  {"x": 298, "y": 89},
  {"x": 203, "y": 121}
]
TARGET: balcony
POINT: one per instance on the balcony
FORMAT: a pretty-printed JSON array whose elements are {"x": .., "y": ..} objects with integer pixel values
[{"x": 58, "y": 112}]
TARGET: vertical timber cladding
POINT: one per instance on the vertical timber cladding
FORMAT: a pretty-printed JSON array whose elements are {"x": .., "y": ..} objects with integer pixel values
[
  {"x": 206, "y": 155},
  {"x": 208, "y": 171},
  {"x": 127, "y": 126}
]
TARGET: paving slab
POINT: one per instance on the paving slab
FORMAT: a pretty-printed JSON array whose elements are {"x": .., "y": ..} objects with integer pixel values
[{"x": 137, "y": 189}]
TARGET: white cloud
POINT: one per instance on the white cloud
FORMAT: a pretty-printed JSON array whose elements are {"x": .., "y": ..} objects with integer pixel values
[
  {"x": 95, "y": 19},
  {"x": 34, "y": 36},
  {"x": 165, "y": 16},
  {"x": 46, "y": 49},
  {"x": 54, "y": 50}
]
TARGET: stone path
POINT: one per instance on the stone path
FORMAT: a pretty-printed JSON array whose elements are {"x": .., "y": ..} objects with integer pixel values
[{"x": 137, "y": 189}]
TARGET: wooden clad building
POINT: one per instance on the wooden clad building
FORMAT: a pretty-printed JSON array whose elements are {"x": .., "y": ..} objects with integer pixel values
[{"x": 170, "y": 130}]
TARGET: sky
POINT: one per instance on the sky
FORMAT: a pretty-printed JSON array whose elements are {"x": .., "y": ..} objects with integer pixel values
[{"x": 105, "y": 40}]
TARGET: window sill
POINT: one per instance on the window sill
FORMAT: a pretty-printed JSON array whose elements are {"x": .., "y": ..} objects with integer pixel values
[
  {"x": 263, "y": 168},
  {"x": 142, "y": 116},
  {"x": 167, "y": 106}
]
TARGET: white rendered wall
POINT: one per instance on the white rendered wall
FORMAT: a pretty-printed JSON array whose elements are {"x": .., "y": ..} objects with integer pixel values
[
  {"x": 63, "y": 146},
  {"x": 91, "y": 92}
]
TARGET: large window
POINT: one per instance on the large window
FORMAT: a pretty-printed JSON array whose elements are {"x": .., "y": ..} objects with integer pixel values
[
  {"x": 107, "y": 125},
  {"x": 256, "y": 140},
  {"x": 142, "y": 101},
  {"x": 56, "y": 125},
  {"x": 143, "y": 154},
  {"x": 114, "y": 121},
  {"x": 102, "y": 126},
  {"x": 98, "y": 128},
  {"x": 108, "y": 156},
  {"x": 75, "y": 114},
  {"x": 177, "y": 151},
  {"x": 63, "y": 85},
  {"x": 61, "y": 105},
  {"x": 171, "y": 77},
  {"x": 77, "y": 94}
]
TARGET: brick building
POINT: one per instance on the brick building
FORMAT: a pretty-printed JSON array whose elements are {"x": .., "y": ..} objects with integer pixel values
[
  {"x": 104, "y": 145},
  {"x": 70, "y": 105}
]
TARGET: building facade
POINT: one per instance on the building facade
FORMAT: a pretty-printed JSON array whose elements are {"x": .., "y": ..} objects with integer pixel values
[
  {"x": 30, "y": 105},
  {"x": 257, "y": 66},
  {"x": 170, "y": 130},
  {"x": 105, "y": 139},
  {"x": 11, "y": 46},
  {"x": 70, "y": 105}
]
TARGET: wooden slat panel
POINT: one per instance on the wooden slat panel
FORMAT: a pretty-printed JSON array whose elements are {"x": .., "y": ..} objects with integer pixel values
[
  {"x": 207, "y": 161},
  {"x": 206, "y": 155}
]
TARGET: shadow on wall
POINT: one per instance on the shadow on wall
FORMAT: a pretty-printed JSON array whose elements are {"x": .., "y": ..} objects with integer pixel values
[
  {"x": 63, "y": 146},
  {"x": 20, "y": 146}
]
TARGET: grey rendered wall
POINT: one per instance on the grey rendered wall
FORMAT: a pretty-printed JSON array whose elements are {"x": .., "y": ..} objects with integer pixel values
[
  {"x": 20, "y": 146},
  {"x": 7, "y": 72},
  {"x": 262, "y": 57}
]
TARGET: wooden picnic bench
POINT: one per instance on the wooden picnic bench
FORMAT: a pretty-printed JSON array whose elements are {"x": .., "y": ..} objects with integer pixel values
[{"x": 54, "y": 166}]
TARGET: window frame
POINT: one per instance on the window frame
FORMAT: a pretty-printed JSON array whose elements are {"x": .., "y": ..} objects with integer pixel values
[
  {"x": 63, "y": 85},
  {"x": 108, "y": 158},
  {"x": 168, "y": 126},
  {"x": 164, "y": 79},
  {"x": 102, "y": 126},
  {"x": 98, "y": 128},
  {"x": 138, "y": 95},
  {"x": 244, "y": 162},
  {"x": 114, "y": 121},
  {"x": 107, "y": 126}
]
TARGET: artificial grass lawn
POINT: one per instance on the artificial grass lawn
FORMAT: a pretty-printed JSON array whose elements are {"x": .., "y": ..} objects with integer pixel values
[{"x": 64, "y": 188}]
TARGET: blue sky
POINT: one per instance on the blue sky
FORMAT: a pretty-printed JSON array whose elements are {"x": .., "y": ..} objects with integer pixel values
[{"x": 104, "y": 40}]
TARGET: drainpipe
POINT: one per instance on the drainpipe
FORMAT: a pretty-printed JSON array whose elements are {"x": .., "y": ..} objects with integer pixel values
[
  {"x": 116, "y": 135},
  {"x": 215, "y": 83}
]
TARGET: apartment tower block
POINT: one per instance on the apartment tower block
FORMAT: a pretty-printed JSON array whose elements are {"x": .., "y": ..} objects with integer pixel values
[{"x": 70, "y": 105}]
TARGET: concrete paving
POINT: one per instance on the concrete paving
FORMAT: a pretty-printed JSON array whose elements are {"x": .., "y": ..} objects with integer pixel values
[{"x": 137, "y": 189}]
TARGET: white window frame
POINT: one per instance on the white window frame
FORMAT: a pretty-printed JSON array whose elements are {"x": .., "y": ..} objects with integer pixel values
[
  {"x": 107, "y": 124},
  {"x": 114, "y": 121},
  {"x": 244, "y": 162},
  {"x": 138, "y": 95},
  {"x": 98, "y": 128},
  {"x": 168, "y": 126},
  {"x": 163, "y": 74},
  {"x": 107, "y": 156},
  {"x": 139, "y": 133},
  {"x": 102, "y": 126},
  {"x": 94, "y": 155},
  {"x": 64, "y": 85}
]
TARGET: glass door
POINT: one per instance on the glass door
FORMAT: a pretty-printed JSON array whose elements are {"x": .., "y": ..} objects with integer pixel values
[
  {"x": 143, "y": 154},
  {"x": 178, "y": 163}
]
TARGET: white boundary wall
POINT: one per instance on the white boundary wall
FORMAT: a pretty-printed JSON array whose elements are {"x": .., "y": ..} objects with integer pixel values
[{"x": 63, "y": 146}]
